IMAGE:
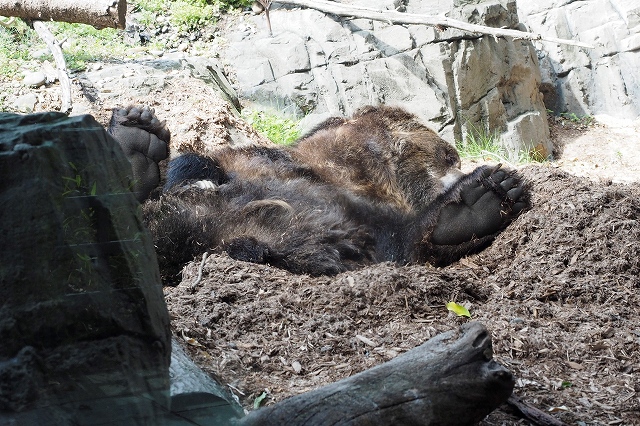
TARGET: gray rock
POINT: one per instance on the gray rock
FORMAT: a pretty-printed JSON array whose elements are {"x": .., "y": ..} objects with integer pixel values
[
  {"x": 317, "y": 66},
  {"x": 498, "y": 98},
  {"x": 600, "y": 81},
  {"x": 83, "y": 320},
  {"x": 25, "y": 103},
  {"x": 136, "y": 79},
  {"x": 392, "y": 40},
  {"x": 189, "y": 383},
  {"x": 40, "y": 53},
  {"x": 34, "y": 79},
  {"x": 533, "y": 126}
]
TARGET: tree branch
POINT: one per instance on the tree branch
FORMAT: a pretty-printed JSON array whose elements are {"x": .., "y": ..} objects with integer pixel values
[
  {"x": 394, "y": 17},
  {"x": 98, "y": 13},
  {"x": 54, "y": 46}
]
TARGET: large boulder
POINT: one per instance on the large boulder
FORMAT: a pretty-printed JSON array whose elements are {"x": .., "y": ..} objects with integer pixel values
[
  {"x": 317, "y": 65},
  {"x": 602, "y": 81},
  {"x": 496, "y": 83},
  {"x": 83, "y": 323}
]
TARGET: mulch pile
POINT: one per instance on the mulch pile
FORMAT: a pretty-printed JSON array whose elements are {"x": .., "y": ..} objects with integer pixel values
[{"x": 559, "y": 290}]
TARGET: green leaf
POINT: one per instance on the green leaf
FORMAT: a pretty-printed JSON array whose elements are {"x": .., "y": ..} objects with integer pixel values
[
  {"x": 459, "y": 310},
  {"x": 258, "y": 400},
  {"x": 94, "y": 188}
]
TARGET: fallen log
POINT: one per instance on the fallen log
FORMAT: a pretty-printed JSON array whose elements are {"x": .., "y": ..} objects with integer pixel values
[
  {"x": 98, "y": 13},
  {"x": 451, "y": 379}
]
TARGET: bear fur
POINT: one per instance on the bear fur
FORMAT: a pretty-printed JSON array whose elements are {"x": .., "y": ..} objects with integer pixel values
[{"x": 380, "y": 186}]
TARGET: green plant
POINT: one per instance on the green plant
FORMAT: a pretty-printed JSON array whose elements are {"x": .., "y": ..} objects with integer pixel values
[
  {"x": 154, "y": 6},
  {"x": 77, "y": 185},
  {"x": 190, "y": 14},
  {"x": 586, "y": 119},
  {"x": 258, "y": 401},
  {"x": 234, "y": 4},
  {"x": 571, "y": 116},
  {"x": 149, "y": 10},
  {"x": 479, "y": 143},
  {"x": 15, "y": 38},
  {"x": 278, "y": 129},
  {"x": 85, "y": 44},
  {"x": 532, "y": 156}
]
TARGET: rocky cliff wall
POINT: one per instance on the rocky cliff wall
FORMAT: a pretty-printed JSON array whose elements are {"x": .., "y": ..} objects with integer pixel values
[
  {"x": 316, "y": 65},
  {"x": 600, "y": 81}
]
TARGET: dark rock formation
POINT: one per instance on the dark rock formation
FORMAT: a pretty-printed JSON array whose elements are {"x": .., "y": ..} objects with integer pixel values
[{"x": 83, "y": 322}]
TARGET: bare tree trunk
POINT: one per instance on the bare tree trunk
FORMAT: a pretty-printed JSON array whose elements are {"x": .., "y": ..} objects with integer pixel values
[
  {"x": 394, "y": 17},
  {"x": 449, "y": 380},
  {"x": 99, "y": 13}
]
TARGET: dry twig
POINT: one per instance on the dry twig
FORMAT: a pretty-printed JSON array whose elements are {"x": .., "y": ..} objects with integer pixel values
[
  {"x": 200, "y": 268},
  {"x": 266, "y": 4}
]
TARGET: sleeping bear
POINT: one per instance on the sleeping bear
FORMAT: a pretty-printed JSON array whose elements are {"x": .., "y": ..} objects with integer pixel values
[{"x": 380, "y": 186}]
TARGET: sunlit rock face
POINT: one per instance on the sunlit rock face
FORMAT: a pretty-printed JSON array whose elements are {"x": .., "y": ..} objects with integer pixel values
[
  {"x": 600, "y": 81},
  {"x": 316, "y": 65}
]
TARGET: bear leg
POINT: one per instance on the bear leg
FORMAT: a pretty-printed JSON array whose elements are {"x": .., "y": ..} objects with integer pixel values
[
  {"x": 144, "y": 140},
  {"x": 193, "y": 167}
]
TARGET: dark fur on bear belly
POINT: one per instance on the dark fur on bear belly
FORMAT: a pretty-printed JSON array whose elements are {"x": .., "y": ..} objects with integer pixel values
[{"x": 351, "y": 193}]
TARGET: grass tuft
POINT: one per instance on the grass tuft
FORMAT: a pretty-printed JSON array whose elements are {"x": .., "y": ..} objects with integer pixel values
[
  {"x": 280, "y": 130},
  {"x": 191, "y": 14},
  {"x": 480, "y": 144}
]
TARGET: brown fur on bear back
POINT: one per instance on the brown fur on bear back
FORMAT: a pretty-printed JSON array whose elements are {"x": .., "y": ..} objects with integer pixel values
[{"x": 383, "y": 153}]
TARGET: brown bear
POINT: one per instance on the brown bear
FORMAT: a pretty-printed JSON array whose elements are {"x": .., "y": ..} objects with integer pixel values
[{"x": 380, "y": 186}]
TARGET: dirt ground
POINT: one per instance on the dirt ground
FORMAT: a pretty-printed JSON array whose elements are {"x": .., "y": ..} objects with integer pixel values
[{"x": 559, "y": 289}]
